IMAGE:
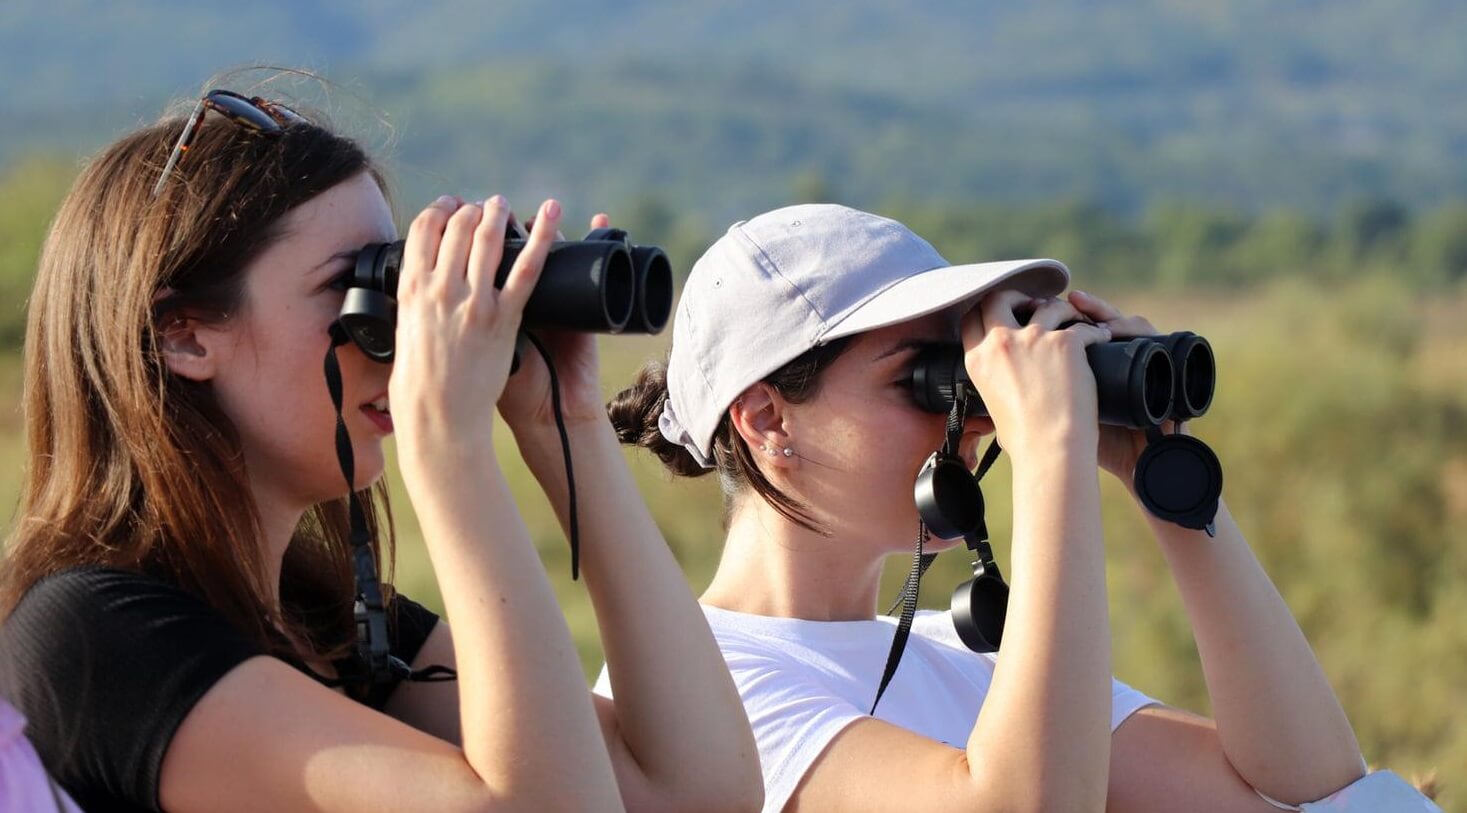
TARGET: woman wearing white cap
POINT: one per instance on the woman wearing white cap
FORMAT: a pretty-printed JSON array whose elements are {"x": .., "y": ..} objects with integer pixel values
[{"x": 790, "y": 375}]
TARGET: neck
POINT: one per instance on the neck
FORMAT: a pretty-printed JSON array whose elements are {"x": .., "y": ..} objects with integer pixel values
[
  {"x": 278, "y": 520},
  {"x": 772, "y": 566}
]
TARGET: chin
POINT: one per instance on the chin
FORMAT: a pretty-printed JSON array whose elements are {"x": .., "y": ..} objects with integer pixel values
[{"x": 370, "y": 465}]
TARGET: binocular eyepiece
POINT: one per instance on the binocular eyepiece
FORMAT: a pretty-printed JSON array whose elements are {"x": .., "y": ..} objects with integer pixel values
[
  {"x": 602, "y": 284},
  {"x": 1139, "y": 382}
]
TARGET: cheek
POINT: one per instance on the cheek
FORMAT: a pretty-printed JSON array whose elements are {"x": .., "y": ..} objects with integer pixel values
[
  {"x": 275, "y": 392},
  {"x": 879, "y": 451}
]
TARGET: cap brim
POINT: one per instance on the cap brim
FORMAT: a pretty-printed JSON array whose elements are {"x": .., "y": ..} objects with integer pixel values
[{"x": 949, "y": 286}]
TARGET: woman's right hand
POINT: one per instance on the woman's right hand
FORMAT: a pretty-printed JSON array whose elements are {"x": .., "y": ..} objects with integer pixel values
[
  {"x": 455, "y": 331},
  {"x": 1035, "y": 380}
]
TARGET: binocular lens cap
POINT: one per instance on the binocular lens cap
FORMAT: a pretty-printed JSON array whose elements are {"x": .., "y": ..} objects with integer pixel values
[
  {"x": 979, "y": 606},
  {"x": 1179, "y": 479},
  {"x": 948, "y": 498}
]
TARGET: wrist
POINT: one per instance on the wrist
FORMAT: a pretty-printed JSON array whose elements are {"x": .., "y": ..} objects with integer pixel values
[
  {"x": 1056, "y": 447},
  {"x": 538, "y": 439},
  {"x": 430, "y": 454}
]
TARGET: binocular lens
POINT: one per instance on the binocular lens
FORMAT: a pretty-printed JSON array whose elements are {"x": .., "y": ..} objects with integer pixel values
[
  {"x": 653, "y": 303},
  {"x": 1156, "y": 393},
  {"x": 1198, "y": 370}
]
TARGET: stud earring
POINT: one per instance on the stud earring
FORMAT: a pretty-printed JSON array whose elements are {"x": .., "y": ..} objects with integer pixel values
[{"x": 788, "y": 452}]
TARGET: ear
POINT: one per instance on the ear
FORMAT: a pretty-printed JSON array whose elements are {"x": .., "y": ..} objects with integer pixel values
[
  {"x": 759, "y": 417},
  {"x": 189, "y": 345}
]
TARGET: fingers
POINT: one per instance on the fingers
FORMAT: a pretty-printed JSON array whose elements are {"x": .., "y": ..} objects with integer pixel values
[
  {"x": 601, "y": 220},
  {"x": 1094, "y": 307},
  {"x": 1101, "y": 311},
  {"x": 527, "y": 267},
  {"x": 1052, "y": 313},
  {"x": 559, "y": 236},
  {"x": 997, "y": 309},
  {"x": 488, "y": 246},
  {"x": 420, "y": 253},
  {"x": 458, "y": 239},
  {"x": 1090, "y": 334}
]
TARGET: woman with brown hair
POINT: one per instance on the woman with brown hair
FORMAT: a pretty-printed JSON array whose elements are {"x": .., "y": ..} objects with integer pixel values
[
  {"x": 179, "y": 584},
  {"x": 791, "y": 374}
]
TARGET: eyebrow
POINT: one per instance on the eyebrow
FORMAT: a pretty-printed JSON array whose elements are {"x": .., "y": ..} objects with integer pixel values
[
  {"x": 347, "y": 254},
  {"x": 903, "y": 346}
]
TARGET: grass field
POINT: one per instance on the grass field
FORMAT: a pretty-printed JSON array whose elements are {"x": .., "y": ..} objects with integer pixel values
[{"x": 1341, "y": 420}]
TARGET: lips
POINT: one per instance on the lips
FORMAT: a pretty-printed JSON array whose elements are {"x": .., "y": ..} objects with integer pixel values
[{"x": 379, "y": 413}]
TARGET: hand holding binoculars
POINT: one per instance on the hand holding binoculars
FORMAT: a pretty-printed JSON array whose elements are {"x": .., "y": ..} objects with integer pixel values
[
  {"x": 602, "y": 284},
  {"x": 1140, "y": 383}
]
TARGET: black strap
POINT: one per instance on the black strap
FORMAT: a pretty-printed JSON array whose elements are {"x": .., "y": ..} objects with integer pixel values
[
  {"x": 907, "y": 598},
  {"x": 369, "y": 610},
  {"x": 570, "y": 476}
]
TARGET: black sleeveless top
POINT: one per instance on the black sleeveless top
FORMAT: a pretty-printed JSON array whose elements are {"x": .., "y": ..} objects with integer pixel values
[{"x": 106, "y": 664}]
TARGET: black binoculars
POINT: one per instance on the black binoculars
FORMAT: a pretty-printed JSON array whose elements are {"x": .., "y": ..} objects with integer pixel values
[
  {"x": 602, "y": 284},
  {"x": 1139, "y": 382}
]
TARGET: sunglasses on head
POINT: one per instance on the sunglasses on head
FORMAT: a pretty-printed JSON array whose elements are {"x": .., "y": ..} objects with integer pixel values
[{"x": 251, "y": 112}]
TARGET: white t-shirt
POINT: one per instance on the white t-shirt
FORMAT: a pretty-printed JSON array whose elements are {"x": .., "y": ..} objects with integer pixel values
[{"x": 802, "y": 682}]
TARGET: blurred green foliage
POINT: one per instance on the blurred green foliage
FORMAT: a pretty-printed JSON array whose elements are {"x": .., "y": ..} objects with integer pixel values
[
  {"x": 1341, "y": 419},
  {"x": 717, "y": 103}
]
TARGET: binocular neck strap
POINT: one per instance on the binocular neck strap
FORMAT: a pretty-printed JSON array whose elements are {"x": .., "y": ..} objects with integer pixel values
[
  {"x": 908, "y": 599},
  {"x": 570, "y": 475},
  {"x": 369, "y": 609},
  {"x": 921, "y": 560}
]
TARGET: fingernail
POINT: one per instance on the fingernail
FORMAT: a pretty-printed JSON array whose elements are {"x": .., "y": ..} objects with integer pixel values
[
  {"x": 443, "y": 200},
  {"x": 552, "y": 208},
  {"x": 497, "y": 200}
]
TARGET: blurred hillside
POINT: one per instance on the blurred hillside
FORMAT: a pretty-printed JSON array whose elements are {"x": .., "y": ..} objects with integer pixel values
[{"x": 715, "y": 104}]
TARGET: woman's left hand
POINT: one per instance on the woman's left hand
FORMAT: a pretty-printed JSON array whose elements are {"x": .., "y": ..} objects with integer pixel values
[
  {"x": 1120, "y": 446},
  {"x": 526, "y": 403}
]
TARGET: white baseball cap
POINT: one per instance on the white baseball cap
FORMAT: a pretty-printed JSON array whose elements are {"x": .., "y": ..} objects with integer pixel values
[{"x": 789, "y": 280}]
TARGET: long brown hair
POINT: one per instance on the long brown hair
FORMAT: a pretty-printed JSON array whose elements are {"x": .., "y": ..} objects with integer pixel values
[{"x": 129, "y": 466}]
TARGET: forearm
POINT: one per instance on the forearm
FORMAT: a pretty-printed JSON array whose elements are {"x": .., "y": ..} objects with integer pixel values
[
  {"x": 525, "y": 714},
  {"x": 676, "y": 704},
  {"x": 1279, "y": 722},
  {"x": 1046, "y": 720}
]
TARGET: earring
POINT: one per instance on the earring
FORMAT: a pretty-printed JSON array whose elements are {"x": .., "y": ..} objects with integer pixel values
[
  {"x": 788, "y": 452},
  {"x": 769, "y": 450}
]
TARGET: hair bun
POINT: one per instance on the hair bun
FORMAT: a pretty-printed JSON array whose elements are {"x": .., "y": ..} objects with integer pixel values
[{"x": 635, "y": 412}]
